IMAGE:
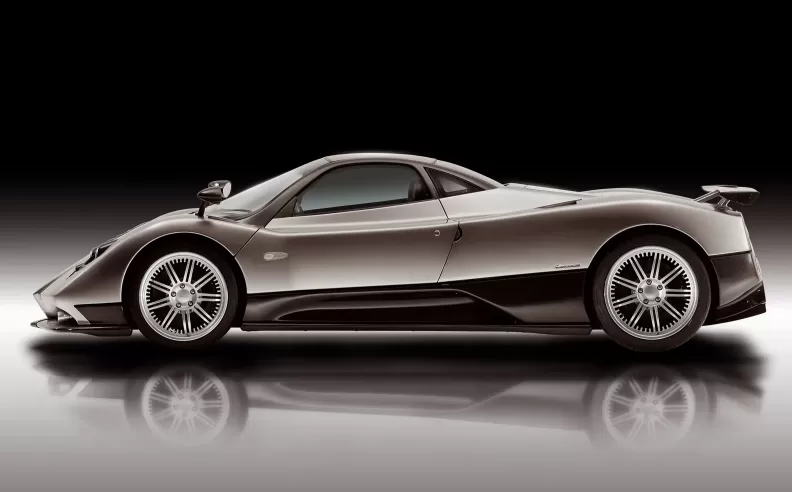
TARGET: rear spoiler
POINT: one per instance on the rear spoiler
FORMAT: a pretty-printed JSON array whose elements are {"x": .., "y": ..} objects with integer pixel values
[{"x": 728, "y": 193}]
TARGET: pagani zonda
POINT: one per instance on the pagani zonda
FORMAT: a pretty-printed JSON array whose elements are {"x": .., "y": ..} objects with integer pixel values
[{"x": 391, "y": 242}]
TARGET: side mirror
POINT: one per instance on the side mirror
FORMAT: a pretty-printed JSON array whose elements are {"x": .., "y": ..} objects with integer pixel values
[
  {"x": 223, "y": 184},
  {"x": 215, "y": 193}
]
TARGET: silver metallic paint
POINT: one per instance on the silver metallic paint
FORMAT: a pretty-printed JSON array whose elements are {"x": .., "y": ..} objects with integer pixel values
[
  {"x": 535, "y": 241},
  {"x": 503, "y": 234},
  {"x": 101, "y": 280},
  {"x": 393, "y": 245}
]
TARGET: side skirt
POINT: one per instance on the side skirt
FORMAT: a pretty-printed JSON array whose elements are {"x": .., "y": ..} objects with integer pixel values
[
  {"x": 572, "y": 329},
  {"x": 548, "y": 301}
]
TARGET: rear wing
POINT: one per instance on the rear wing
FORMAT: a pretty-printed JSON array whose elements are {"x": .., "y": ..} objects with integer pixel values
[{"x": 728, "y": 193}]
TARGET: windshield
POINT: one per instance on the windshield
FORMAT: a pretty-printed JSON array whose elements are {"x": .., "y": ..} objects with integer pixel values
[{"x": 256, "y": 196}]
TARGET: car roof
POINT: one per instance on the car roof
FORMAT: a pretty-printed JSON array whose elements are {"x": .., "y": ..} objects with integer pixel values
[
  {"x": 460, "y": 171},
  {"x": 379, "y": 156}
]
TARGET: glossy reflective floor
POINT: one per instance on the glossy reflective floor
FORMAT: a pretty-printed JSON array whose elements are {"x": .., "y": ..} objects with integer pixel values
[{"x": 395, "y": 411}]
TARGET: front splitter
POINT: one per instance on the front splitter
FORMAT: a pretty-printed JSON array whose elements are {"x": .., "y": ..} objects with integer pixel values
[{"x": 95, "y": 330}]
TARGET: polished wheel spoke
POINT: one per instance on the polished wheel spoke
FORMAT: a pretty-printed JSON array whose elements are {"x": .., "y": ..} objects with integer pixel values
[
  {"x": 682, "y": 407},
  {"x": 635, "y": 386},
  {"x": 169, "y": 318},
  {"x": 202, "y": 313},
  {"x": 625, "y": 282},
  {"x": 209, "y": 297},
  {"x": 655, "y": 270},
  {"x": 171, "y": 273},
  {"x": 637, "y": 315},
  {"x": 672, "y": 275},
  {"x": 624, "y": 301},
  {"x": 671, "y": 309},
  {"x": 204, "y": 280},
  {"x": 186, "y": 322},
  {"x": 159, "y": 286},
  {"x": 188, "y": 270},
  {"x": 637, "y": 267},
  {"x": 158, "y": 303},
  {"x": 655, "y": 319}
]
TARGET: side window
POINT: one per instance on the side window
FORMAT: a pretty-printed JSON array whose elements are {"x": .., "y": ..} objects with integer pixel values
[
  {"x": 362, "y": 186},
  {"x": 450, "y": 185}
]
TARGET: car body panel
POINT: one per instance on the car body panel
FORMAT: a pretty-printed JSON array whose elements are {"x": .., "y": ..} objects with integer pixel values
[
  {"x": 545, "y": 240},
  {"x": 401, "y": 244},
  {"x": 101, "y": 281},
  {"x": 510, "y": 256}
]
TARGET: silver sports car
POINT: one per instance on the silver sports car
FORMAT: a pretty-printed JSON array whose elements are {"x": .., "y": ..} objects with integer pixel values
[{"x": 376, "y": 241}]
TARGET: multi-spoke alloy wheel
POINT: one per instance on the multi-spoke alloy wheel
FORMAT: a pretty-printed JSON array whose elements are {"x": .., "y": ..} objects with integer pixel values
[
  {"x": 651, "y": 292},
  {"x": 185, "y": 406},
  {"x": 183, "y": 296},
  {"x": 655, "y": 409}
]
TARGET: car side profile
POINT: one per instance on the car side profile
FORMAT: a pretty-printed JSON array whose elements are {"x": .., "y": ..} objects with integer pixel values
[{"x": 377, "y": 241}]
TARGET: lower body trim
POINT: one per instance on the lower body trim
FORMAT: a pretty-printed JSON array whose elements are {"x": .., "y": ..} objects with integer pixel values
[
  {"x": 749, "y": 304},
  {"x": 71, "y": 327}
]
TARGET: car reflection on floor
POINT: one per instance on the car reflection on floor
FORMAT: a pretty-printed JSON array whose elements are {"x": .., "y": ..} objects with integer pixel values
[{"x": 620, "y": 399}]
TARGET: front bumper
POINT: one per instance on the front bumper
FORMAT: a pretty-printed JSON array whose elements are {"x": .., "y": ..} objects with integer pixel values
[{"x": 71, "y": 327}]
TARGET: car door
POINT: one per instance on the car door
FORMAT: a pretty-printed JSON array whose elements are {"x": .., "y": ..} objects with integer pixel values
[{"x": 356, "y": 225}]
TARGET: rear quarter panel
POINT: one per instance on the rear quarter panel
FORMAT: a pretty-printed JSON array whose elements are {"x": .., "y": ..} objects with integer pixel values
[{"x": 569, "y": 236}]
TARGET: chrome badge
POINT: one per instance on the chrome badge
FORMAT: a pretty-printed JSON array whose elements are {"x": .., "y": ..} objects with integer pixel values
[{"x": 275, "y": 256}]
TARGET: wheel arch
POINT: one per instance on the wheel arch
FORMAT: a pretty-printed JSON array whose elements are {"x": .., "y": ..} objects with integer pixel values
[
  {"x": 181, "y": 238},
  {"x": 644, "y": 230}
]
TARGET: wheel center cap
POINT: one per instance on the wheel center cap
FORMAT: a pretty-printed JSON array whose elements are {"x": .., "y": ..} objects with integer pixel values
[
  {"x": 650, "y": 292},
  {"x": 183, "y": 297}
]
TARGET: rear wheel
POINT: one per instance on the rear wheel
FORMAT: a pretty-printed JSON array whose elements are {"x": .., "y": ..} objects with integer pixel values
[
  {"x": 182, "y": 297},
  {"x": 651, "y": 293}
]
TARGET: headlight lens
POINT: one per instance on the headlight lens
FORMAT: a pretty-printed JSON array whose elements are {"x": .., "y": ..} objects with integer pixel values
[{"x": 95, "y": 253}]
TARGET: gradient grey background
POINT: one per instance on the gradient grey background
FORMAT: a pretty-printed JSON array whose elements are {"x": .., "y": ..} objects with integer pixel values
[{"x": 96, "y": 159}]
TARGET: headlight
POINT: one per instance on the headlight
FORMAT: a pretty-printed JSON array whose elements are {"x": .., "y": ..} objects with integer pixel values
[{"x": 95, "y": 253}]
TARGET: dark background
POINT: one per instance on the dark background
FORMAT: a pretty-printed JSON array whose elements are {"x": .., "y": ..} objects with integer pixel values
[{"x": 105, "y": 137}]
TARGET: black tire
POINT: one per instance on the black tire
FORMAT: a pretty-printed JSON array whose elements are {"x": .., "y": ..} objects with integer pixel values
[
  {"x": 622, "y": 337},
  {"x": 135, "y": 277}
]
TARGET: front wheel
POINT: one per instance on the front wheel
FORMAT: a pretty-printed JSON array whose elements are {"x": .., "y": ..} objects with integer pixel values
[
  {"x": 651, "y": 293},
  {"x": 182, "y": 297}
]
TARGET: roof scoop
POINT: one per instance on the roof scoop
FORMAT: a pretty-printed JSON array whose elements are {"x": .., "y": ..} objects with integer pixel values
[
  {"x": 728, "y": 193},
  {"x": 217, "y": 191}
]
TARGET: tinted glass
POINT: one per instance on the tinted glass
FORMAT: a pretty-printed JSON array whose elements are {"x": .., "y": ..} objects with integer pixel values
[
  {"x": 362, "y": 186},
  {"x": 450, "y": 185}
]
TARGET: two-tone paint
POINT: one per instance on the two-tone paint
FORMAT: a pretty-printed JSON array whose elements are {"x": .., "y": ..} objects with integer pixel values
[{"x": 514, "y": 256}]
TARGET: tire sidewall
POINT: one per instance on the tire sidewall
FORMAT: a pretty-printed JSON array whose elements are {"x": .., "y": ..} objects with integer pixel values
[
  {"x": 137, "y": 272},
  {"x": 677, "y": 339}
]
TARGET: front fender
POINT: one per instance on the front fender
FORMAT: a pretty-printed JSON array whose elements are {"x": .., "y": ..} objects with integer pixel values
[{"x": 100, "y": 282}]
